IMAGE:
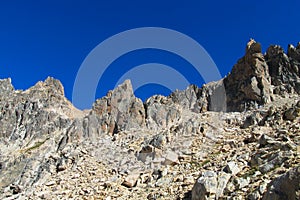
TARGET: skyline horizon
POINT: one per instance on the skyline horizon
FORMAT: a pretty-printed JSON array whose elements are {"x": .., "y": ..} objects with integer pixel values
[{"x": 41, "y": 39}]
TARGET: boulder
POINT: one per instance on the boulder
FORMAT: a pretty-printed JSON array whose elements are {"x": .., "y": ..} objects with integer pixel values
[
  {"x": 210, "y": 185},
  {"x": 232, "y": 168},
  {"x": 286, "y": 186}
]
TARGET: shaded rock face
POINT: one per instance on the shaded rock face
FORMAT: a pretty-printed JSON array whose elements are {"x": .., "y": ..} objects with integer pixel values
[
  {"x": 189, "y": 98},
  {"x": 256, "y": 77},
  {"x": 284, "y": 69},
  {"x": 294, "y": 53},
  {"x": 286, "y": 186},
  {"x": 210, "y": 97},
  {"x": 249, "y": 82}
]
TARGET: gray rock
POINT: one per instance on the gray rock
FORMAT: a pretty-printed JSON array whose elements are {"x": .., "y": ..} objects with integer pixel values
[
  {"x": 161, "y": 112},
  {"x": 159, "y": 141},
  {"x": 242, "y": 182},
  {"x": 292, "y": 113},
  {"x": 252, "y": 119},
  {"x": 210, "y": 185},
  {"x": 293, "y": 52},
  {"x": 211, "y": 97},
  {"x": 223, "y": 179},
  {"x": 286, "y": 186},
  {"x": 120, "y": 110},
  {"x": 205, "y": 186},
  {"x": 171, "y": 158},
  {"x": 6, "y": 88},
  {"x": 265, "y": 140},
  {"x": 283, "y": 68},
  {"x": 272, "y": 162},
  {"x": 188, "y": 99},
  {"x": 232, "y": 168}
]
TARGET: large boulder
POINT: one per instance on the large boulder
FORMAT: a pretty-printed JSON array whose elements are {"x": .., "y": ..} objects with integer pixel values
[
  {"x": 210, "y": 185},
  {"x": 286, "y": 186}
]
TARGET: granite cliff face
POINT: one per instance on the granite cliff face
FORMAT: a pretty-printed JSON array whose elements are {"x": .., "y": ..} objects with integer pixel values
[{"x": 237, "y": 138}]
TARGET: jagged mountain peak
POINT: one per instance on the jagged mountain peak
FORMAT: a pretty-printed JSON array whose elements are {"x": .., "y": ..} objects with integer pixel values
[
  {"x": 253, "y": 47},
  {"x": 183, "y": 146},
  {"x": 52, "y": 85},
  {"x": 6, "y": 87}
]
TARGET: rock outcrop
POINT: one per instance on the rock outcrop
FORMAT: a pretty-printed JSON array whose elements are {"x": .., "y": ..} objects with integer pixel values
[
  {"x": 29, "y": 121},
  {"x": 249, "y": 83},
  {"x": 284, "y": 69},
  {"x": 161, "y": 112},
  {"x": 189, "y": 145},
  {"x": 210, "y": 97},
  {"x": 120, "y": 110}
]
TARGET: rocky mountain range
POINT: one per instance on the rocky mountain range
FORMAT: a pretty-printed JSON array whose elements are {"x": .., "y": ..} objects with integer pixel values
[{"x": 236, "y": 138}]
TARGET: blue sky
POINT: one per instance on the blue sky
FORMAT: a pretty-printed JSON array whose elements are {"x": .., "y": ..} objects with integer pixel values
[{"x": 52, "y": 38}]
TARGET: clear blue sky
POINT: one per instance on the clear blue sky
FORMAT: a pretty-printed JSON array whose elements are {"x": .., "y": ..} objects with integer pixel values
[{"x": 52, "y": 38}]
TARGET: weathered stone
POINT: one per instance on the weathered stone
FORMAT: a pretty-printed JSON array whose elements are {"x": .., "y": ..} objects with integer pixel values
[
  {"x": 273, "y": 161},
  {"x": 49, "y": 149},
  {"x": 232, "y": 168},
  {"x": 249, "y": 81},
  {"x": 159, "y": 141},
  {"x": 283, "y": 68},
  {"x": 131, "y": 180},
  {"x": 188, "y": 98},
  {"x": 265, "y": 139},
  {"x": 242, "y": 182},
  {"x": 161, "y": 112},
  {"x": 171, "y": 158},
  {"x": 223, "y": 179},
  {"x": 251, "y": 120},
  {"x": 6, "y": 88},
  {"x": 205, "y": 185},
  {"x": 120, "y": 110},
  {"x": 286, "y": 186},
  {"x": 292, "y": 113},
  {"x": 50, "y": 183}
]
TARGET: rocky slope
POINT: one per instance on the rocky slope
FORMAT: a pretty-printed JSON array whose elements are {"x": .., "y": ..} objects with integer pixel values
[{"x": 237, "y": 138}]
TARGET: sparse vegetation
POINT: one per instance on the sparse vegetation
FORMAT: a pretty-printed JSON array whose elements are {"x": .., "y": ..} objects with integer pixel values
[
  {"x": 35, "y": 146},
  {"x": 250, "y": 172}
]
